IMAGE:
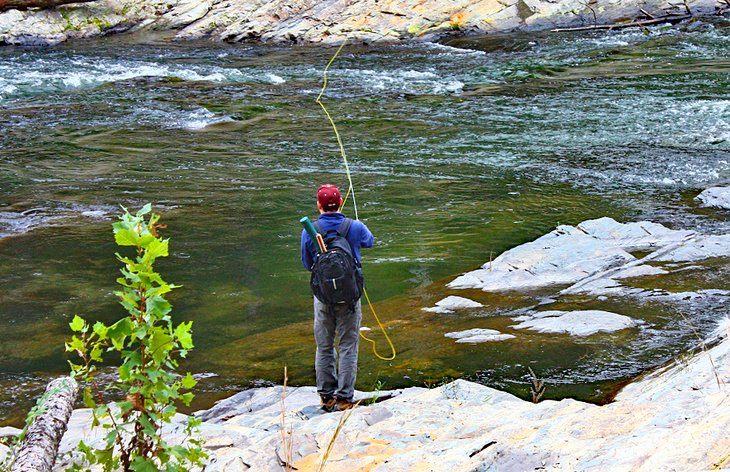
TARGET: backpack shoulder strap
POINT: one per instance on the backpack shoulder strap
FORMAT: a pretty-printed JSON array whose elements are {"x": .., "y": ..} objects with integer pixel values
[{"x": 344, "y": 227}]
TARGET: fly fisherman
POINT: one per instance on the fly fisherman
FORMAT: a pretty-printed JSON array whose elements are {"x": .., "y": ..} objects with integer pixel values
[{"x": 337, "y": 285}]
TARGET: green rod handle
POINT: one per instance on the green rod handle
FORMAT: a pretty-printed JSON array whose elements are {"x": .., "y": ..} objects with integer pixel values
[{"x": 309, "y": 228}]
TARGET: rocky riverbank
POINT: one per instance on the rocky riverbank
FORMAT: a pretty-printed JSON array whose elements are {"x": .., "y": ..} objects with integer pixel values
[
  {"x": 675, "y": 419},
  {"x": 330, "y": 21}
]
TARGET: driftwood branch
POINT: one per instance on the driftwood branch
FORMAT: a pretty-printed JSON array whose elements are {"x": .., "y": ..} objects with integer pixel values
[
  {"x": 25, "y": 4},
  {"x": 38, "y": 449},
  {"x": 648, "y": 15},
  {"x": 654, "y": 21}
]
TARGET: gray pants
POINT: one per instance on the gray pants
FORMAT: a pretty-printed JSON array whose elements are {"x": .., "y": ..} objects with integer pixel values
[{"x": 336, "y": 378}]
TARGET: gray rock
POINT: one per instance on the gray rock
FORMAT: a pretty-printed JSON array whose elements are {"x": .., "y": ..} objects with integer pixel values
[
  {"x": 718, "y": 197},
  {"x": 455, "y": 303},
  {"x": 438, "y": 309},
  {"x": 306, "y": 21},
  {"x": 478, "y": 335},
  {"x": 673, "y": 419},
  {"x": 576, "y": 323},
  {"x": 6, "y": 431}
]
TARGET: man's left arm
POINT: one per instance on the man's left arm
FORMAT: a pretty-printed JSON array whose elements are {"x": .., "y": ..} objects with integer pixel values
[{"x": 366, "y": 237}]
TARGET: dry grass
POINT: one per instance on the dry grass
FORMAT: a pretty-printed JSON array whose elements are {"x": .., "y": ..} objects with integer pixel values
[
  {"x": 287, "y": 441},
  {"x": 341, "y": 424}
]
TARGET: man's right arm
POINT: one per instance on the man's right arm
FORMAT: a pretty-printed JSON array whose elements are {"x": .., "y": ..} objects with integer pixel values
[{"x": 307, "y": 261}]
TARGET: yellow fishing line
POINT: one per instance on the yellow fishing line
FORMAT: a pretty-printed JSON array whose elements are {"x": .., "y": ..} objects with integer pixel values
[{"x": 351, "y": 191}]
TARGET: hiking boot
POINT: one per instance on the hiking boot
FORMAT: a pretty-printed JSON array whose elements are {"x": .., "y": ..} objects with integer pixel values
[
  {"x": 328, "y": 403},
  {"x": 343, "y": 405}
]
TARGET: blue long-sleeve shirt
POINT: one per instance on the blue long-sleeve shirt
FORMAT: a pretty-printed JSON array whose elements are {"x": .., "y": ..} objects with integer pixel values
[{"x": 358, "y": 236}]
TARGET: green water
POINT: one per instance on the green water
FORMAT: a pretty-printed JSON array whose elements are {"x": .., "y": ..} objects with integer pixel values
[{"x": 458, "y": 153}]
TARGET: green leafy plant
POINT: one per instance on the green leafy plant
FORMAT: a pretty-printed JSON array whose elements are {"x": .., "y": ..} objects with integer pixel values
[{"x": 149, "y": 345}]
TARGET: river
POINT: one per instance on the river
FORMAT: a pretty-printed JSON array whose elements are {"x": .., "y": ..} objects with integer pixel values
[{"x": 458, "y": 151}]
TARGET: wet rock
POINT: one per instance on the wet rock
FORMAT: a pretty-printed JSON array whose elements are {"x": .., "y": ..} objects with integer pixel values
[
  {"x": 478, "y": 335},
  {"x": 185, "y": 13},
  {"x": 451, "y": 303},
  {"x": 438, "y": 309},
  {"x": 702, "y": 247},
  {"x": 455, "y": 303},
  {"x": 7, "y": 431},
  {"x": 718, "y": 197},
  {"x": 576, "y": 323},
  {"x": 592, "y": 257}
]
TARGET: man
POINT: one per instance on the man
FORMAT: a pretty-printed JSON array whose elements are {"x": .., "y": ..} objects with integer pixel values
[{"x": 335, "y": 380}]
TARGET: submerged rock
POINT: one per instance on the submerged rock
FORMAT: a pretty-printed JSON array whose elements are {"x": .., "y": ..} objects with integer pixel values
[
  {"x": 576, "y": 323},
  {"x": 718, "y": 197}
]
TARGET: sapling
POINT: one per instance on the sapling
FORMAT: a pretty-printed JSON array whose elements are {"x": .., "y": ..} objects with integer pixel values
[{"x": 149, "y": 345}]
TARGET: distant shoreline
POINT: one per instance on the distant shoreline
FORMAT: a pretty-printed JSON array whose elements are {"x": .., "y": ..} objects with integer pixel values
[{"x": 326, "y": 22}]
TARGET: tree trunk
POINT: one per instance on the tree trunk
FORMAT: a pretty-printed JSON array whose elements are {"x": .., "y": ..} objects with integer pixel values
[
  {"x": 37, "y": 452},
  {"x": 654, "y": 21},
  {"x": 25, "y": 4}
]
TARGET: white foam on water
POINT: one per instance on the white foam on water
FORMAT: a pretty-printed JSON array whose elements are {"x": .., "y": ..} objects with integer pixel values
[
  {"x": 398, "y": 80},
  {"x": 21, "y": 222},
  {"x": 199, "y": 119},
  {"x": 275, "y": 79},
  {"x": 450, "y": 50},
  {"x": 175, "y": 118},
  {"x": 453, "y": 86},
  {"x": 59, "y": 74}
]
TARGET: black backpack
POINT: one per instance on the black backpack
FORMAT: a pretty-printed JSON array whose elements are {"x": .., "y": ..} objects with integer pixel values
[{"x": 336, "y": 278}]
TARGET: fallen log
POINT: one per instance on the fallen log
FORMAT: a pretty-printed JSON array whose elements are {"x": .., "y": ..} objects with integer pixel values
[
  {"x": 39, "y": 446},
  {"x": 654, "y": 21},
  {"x": 25, "y": 4}
]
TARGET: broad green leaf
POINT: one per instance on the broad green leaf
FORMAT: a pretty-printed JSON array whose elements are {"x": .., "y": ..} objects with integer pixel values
[
  {"x": 100, "y": 329},
  {"x": 188, "y": 381},
  {"x": 126, "y": 237},
  {"x": 140, "y": 464},
  {"x": 89, "y": 398},
  {"x": 76, "y": 344},
  {"x": 187, "y": 398},
  {"x": 123, "y": 372},
  {"x": 157, "y": 248},
  {"x": 145, "y": 240},
  {"x": 145, "y": 209},
  {"x": 160, "y": 344},
  {"x": 159, "y": 306},
  {"x": 77, "y": 324},
  {"x": 184, "y": 334},
  {"x": 119, "y": 331},
  {"x": 147, "y": 426},
  {"x": 96, "y": 352}
]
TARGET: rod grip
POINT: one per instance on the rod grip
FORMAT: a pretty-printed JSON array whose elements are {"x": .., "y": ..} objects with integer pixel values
[{"x": 312, "y": 232}]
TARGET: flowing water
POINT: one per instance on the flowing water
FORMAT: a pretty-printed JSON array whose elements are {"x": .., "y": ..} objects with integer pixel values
[{"x": 458, "y": 153}]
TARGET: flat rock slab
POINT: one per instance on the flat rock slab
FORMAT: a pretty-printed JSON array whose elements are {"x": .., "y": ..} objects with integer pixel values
[
  {"x": 478, "y": 335},
  {"x": 454, "y": 303},
  {"x": 718, "y": 197},
  {"x": 675, "y": 419},
  {"x": 576, "y": 323},
  {"x": 451, "y": 303},
  {"x": 595, "y": 249}
]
